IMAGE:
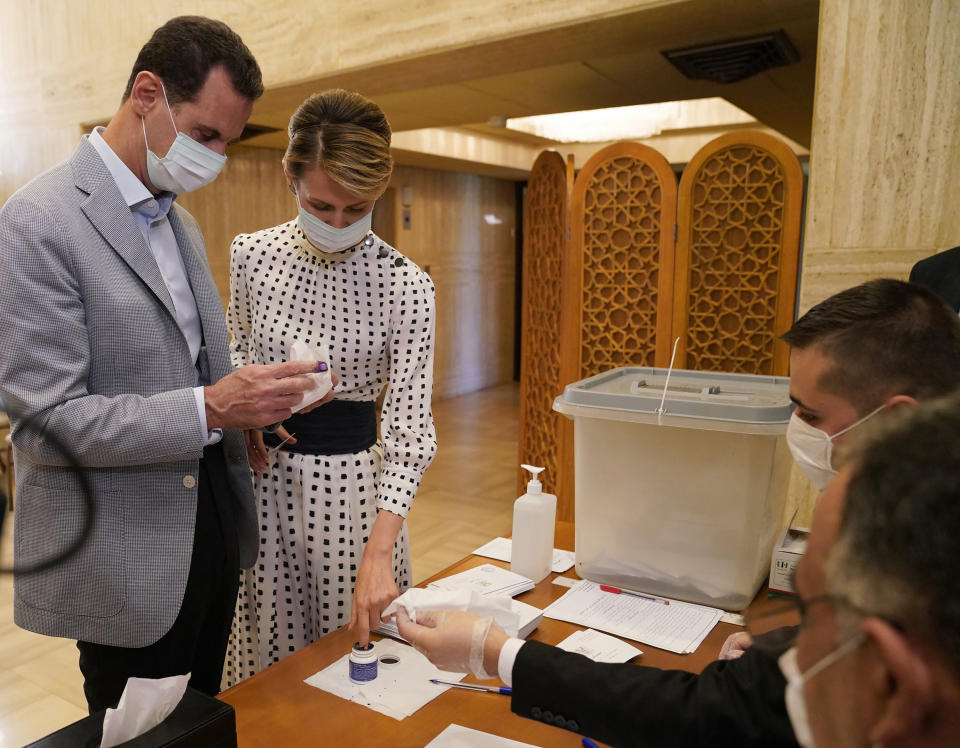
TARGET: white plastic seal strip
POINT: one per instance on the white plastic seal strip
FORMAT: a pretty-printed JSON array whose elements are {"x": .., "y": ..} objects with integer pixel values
[{"x": 666, "y": 383}]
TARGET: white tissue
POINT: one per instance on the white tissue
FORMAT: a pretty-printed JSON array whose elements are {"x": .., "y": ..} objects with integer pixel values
[
  {"x": 323, "y": 381},
  {"x": 398, "y": 690},
  {"x": 145, "y": 703},
  {"x": 497, "y": 607}
]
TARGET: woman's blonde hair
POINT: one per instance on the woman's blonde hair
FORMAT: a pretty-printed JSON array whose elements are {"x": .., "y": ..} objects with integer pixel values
[{"x": 347, "y": 136}]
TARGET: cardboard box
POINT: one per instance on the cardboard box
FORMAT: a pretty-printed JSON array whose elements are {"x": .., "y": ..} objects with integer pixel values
[{"x": 789, "y": 548}]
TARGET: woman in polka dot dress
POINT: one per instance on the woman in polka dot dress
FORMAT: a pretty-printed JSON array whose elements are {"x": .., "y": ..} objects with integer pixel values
[{"x": 333, "y": 543}]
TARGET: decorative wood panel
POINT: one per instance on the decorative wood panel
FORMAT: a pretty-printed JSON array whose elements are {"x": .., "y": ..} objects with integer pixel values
[
  {"x": 738, "y": 236},
  {"x": 473, "y": 263},
  {"x": 545, "y": 223},
  {"x": 622, "y": 213},
  {"x": 619, "y": 285}
]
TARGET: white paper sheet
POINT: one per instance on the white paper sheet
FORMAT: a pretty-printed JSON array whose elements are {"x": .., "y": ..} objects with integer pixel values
[
  {"x": 677, "y": 627},
  {"x": 457, "y": 736},
  {"x": 502, "y": 550},
  {"x": 497, "y": 607},
  {"x": 486, "y": 579},
  {"x": 599, "y": 647},
  {"x": 398, "y": 691}
]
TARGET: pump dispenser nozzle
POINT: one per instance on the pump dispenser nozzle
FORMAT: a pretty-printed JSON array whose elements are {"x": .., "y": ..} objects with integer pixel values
[{"x": 533, "y": 485}]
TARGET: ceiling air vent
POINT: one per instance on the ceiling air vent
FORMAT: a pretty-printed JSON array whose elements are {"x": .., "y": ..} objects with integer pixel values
[{"x": 734, "y": 59}]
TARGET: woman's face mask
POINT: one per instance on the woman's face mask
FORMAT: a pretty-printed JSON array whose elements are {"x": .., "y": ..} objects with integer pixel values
[
  {"x": 812, "y": 449},
  {"x": 328, "y": 238}
]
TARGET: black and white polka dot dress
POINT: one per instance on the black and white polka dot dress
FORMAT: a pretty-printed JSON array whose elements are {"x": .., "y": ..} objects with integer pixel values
[{"x": 375, "y": 310}]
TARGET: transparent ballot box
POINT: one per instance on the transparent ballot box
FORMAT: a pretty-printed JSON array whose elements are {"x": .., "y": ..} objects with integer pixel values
[{"x": 679, "y": 493}]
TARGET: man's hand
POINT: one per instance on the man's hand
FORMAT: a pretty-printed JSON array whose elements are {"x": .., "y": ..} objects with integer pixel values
[
  {"x": 455, "y": 640},
  {"x": 735, "y": 645},
  {"x": 255, "y": 395}
]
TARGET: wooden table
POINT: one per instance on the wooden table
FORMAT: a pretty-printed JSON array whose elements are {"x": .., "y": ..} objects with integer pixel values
[{"x": 276, "y": 708}]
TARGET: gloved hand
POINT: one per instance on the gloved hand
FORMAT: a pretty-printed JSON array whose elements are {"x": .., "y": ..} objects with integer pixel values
[
  {"x": 454, "y": 640},
  {"x": 735, "y": 645}
]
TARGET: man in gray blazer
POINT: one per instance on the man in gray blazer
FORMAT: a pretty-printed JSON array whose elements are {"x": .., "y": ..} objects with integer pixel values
[{"x": 115, "y": 359}]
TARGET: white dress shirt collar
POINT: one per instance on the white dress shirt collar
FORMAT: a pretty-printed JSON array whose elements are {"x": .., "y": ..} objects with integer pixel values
[{"x": 131, "y": 188}]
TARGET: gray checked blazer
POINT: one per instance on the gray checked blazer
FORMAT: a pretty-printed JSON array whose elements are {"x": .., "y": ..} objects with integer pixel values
[{"x": 91, "y": 351}]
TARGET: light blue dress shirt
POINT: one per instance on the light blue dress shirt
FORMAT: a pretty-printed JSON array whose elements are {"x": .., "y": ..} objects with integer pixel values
[{"x": 150, "y": 213}]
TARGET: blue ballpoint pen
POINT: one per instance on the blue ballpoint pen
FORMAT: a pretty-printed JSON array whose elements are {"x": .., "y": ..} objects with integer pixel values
[
  {"x": 587, "y": 743},
  {"x": 505, "y": 690}
]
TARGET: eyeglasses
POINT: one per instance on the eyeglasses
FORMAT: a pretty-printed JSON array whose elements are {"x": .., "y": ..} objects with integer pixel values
[{"x": 775, "y": 628}]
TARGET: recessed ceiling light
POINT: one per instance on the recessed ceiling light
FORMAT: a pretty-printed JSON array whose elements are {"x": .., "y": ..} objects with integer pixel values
[{"x": 631, "y": 122}]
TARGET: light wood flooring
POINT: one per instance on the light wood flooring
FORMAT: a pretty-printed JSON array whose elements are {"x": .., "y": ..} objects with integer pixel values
[{"x": 465, "y": 500}]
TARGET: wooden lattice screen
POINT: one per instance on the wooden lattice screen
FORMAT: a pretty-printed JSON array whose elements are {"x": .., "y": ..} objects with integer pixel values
[
  {"x": 623, "y": 210},
  {"x": 716, "y": 267},
  {"x": 543, "y": 432},
  {"x": 737, "y": 242}
]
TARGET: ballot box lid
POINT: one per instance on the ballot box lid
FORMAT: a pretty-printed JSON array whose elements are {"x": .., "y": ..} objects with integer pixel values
[{"x": 691, "y": 399}]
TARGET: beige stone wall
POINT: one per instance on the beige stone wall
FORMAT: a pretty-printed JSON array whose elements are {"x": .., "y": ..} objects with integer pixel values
[
  {"x": 885, "y": 151},
  {"x": 65, "y": 62}
]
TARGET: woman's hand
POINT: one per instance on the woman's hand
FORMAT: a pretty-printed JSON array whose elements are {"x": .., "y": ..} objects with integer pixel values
[
  {"x": 375, "y": 588},
  {"x": 257, "y": 452},
  {"x": 326, "y": 398},
  {"x": 374, "y": 591}
]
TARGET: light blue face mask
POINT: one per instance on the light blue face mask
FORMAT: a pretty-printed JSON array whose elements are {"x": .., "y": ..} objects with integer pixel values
[
  {"x": 187, "y": 166},
  {"x": 327, "y": 238}
]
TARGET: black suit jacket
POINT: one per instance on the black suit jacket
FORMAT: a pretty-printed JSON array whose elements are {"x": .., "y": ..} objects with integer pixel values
[
  {"x": 734, "y": 702},
  {"x": 941, "y": 274}
]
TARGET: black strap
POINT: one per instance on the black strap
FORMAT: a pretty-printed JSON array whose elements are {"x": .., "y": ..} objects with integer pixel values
[{"x": 336, "y": 428}]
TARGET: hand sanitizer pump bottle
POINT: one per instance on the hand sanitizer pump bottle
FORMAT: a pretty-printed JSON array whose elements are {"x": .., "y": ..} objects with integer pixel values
[{"x": 534, "y": 517}]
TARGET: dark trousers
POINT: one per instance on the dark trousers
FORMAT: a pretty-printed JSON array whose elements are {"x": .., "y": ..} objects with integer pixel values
[{"x": 197, "y": 641}]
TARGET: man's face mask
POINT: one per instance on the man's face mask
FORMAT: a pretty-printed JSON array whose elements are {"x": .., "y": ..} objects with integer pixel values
[
  {"x": 187, "y": 166},
  {"x": 796, "y": 705},
  {"x": 812, "y": 449}
]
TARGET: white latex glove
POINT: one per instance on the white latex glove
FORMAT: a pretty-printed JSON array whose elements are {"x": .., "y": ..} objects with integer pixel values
[
  {"x": 454, "y": 640},
  {"x": 735, "y": 645}
]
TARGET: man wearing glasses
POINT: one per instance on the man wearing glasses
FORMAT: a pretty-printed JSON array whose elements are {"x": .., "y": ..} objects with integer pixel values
[
  {"x": 868, "y": 350},
  {"x": 877, "y": 658}
]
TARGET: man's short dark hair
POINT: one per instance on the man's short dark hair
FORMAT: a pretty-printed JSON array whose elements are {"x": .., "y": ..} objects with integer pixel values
[
  {"x": 885, "y": 337},
  {"x": 896, "y": 552},
  {"x": 185, "y": 49}
]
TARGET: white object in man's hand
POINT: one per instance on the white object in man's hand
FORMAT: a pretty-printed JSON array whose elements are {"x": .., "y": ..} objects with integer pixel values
[{"x": 258, "y": 395}]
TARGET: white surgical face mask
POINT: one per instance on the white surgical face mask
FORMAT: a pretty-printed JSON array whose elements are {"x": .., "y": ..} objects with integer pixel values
[
  {"x": 812, "y": 449},
  {"x": 328, "y": 239},
  {"x": 187, "y": 166},
  {"x": 796, "y": 706}
]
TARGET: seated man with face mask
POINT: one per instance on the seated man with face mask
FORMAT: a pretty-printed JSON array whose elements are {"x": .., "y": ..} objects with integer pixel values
[
  {"x": 877, "y": 658},
  {"x": 862, "y": 352}
]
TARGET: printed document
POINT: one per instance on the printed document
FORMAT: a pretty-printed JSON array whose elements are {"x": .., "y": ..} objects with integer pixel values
[{"x": 667, "y": 624}]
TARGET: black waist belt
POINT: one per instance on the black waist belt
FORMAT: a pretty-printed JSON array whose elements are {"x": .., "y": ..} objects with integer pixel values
[{"x": 340, "y": 427}]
